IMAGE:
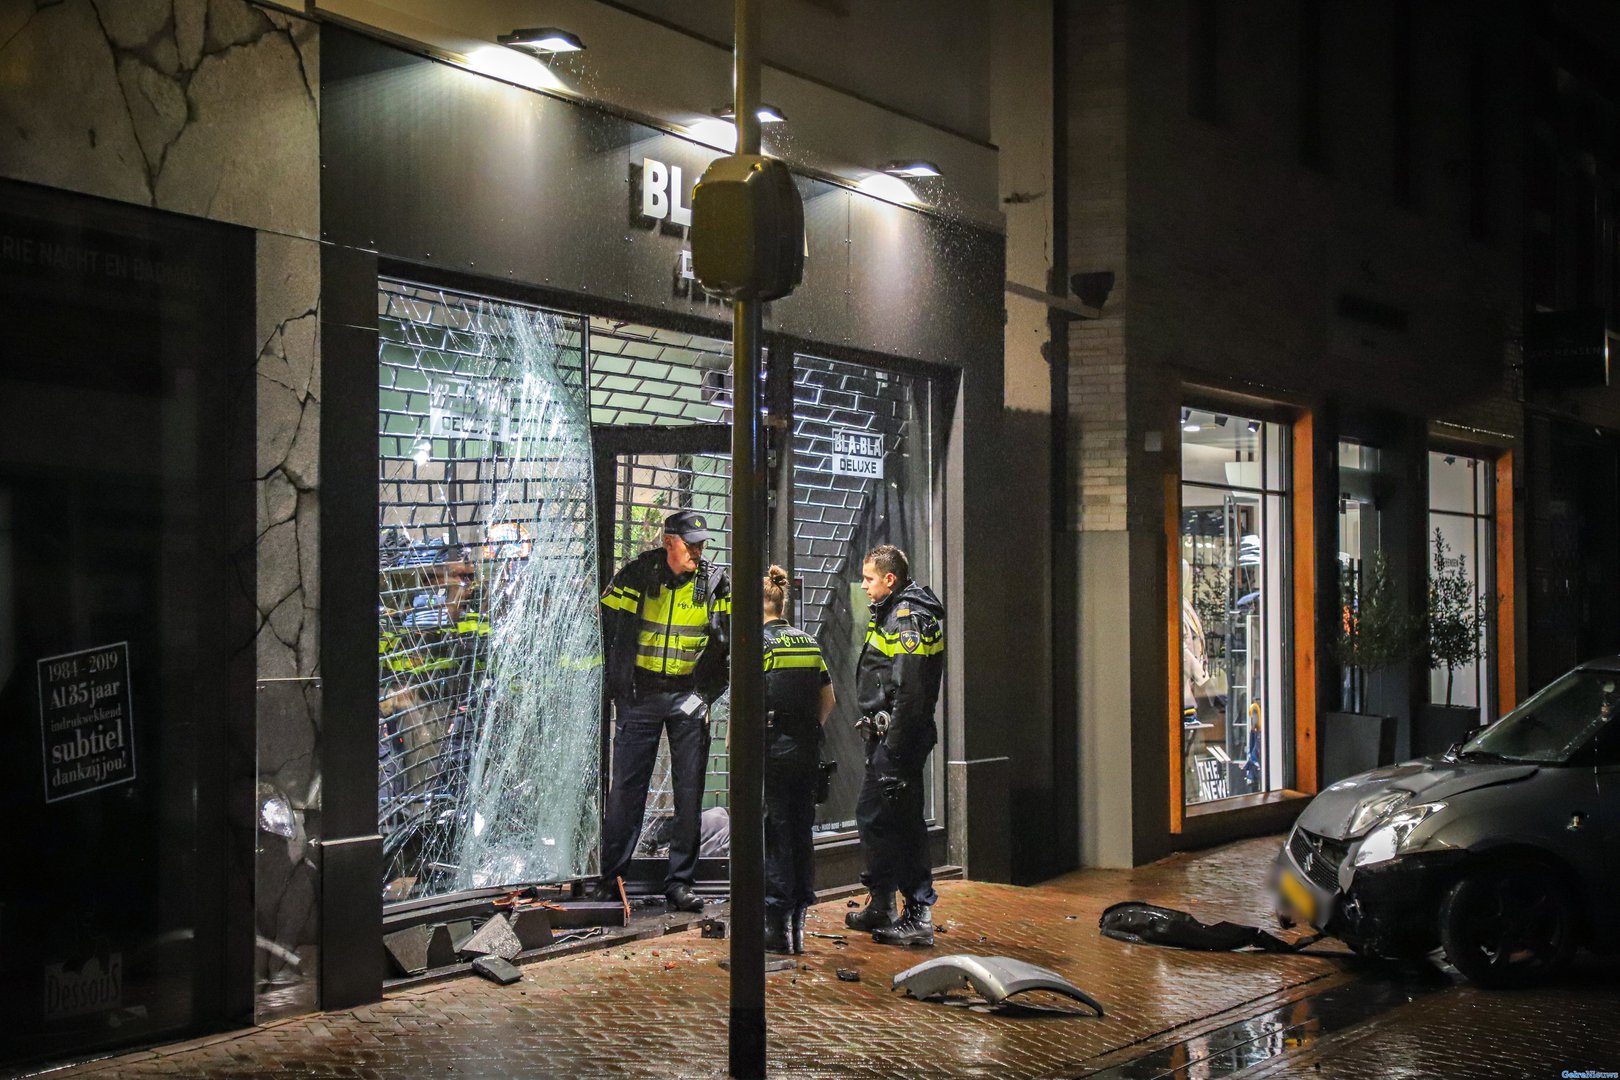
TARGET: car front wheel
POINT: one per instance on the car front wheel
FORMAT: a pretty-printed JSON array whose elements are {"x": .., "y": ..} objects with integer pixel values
[{"x": 1507, "y": 925}]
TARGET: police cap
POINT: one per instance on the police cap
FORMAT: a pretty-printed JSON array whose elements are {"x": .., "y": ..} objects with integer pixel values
[{"x": 689, "y": 525}]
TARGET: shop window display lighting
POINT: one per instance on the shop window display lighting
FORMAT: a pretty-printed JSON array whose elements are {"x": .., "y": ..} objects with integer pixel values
[{"x": 1235, "y": 669}]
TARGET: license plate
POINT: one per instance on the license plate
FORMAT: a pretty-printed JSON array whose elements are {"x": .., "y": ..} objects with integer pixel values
[{"x": 1297, "y": 896}]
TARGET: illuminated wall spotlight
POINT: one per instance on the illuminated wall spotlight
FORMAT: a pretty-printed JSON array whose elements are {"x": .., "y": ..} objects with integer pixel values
[
  {"x": 912, "y": 170},
  {"x": 543, "y": 40},
  {"x": 768, "y": 114}
]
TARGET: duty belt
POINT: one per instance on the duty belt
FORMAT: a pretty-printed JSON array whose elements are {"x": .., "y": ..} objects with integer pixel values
[{"x": 663, "y": 684}]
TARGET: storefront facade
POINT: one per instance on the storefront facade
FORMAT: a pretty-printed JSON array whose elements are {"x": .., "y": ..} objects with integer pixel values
[
  {"x": 482, "y": 238},
  {"x": 472, "y": 368},
  {"x": 1301, "y": 377},
  {"x": 161, "y": 522}
]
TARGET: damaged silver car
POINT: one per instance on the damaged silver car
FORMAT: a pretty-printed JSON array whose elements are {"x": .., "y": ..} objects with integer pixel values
[{"x": 1504, "y": 852}]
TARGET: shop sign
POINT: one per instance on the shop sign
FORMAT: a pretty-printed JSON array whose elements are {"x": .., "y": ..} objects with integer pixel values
[
  {"x": 662, "y": 189},
  {"x": 93, "y": 987},
  {"x": 85, "y": 718},
  {"x": 459, "y": 409},
  {"x": 1569, "y": 350},
  {"x": 857, "y": 453}
]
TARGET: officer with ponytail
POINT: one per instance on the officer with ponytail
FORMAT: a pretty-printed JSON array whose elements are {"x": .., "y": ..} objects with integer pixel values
[{"x": 798, "y": 700}]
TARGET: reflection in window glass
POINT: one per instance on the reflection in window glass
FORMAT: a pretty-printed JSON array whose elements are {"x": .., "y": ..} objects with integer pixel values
[
  {"x": 1235, "y": 605},
  {"x": 1557, "y": 722},
  {"x": 1358, "y": 546},
  {"x": 1462, "y": 541},
  {"x": 489, "y": 675}
]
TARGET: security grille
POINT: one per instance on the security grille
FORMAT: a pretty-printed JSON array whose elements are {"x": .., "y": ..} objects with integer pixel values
[
  {"x": 831, "y": 510},
  {"x": 641, "y": 375},
  {"x": 839, "y": 516},
  {"x": 650, "y": 487},
  {"x": 645, "y": 375},
  {"x": 447, "y": 378}
]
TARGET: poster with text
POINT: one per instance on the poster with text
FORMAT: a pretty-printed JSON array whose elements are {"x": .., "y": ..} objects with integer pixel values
[{"x": 85, "y": 718}]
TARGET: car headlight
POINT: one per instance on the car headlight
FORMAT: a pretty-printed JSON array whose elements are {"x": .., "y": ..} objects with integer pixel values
[
  {"x": 1377, "y": 809},
  {"x": 1386, "y": 841}
]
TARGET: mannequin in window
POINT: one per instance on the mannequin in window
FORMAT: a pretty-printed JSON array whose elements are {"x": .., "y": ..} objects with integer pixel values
[
  {"x": 1194, "y": 673},
  {"x": 1194, "y": 655}
]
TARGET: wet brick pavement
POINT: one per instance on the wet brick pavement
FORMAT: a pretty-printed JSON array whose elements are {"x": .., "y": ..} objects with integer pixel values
[
  {"x": 659, "y": 1008},
  {"x": 1573, "y": 1025}
]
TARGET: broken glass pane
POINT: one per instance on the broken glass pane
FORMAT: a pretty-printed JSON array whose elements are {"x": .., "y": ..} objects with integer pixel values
[{"x": 490, "y": 686}]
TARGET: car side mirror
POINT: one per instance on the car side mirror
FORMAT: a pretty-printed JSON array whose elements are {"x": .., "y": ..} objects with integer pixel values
[{"x": 1468, "y": 736}]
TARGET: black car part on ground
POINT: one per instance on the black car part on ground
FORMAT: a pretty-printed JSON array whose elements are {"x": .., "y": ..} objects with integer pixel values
[{"x": 1149, "y": 924}]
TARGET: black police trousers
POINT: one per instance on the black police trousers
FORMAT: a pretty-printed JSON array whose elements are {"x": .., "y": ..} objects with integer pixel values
[
  {"x": 792, "y": 764},
  {"x": 894, "y": 832},
  {"x": 635, "y": 750}
]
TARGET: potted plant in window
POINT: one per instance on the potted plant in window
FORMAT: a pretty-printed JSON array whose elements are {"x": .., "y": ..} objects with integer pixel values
[
  {"x": 1457, "y": 620},
  {"x": 1376, "y": 631}
]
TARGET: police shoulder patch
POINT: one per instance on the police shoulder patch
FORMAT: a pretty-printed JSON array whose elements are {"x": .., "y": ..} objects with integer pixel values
[
  {"x": 902, "y": 612},
  {"x": 909, "y": 640}
]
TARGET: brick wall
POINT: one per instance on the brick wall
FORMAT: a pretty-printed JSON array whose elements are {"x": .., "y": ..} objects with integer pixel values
[
  {"x": 1097, "y": 178},
  {"x": 1240, "y": 267},
  {"x": 1242, "y": 258}
]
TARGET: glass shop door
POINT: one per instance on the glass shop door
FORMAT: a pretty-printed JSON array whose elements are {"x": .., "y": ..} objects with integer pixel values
[{"x": 643, "y": 474}]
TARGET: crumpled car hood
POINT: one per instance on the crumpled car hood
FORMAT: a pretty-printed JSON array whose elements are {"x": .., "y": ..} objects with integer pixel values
[{"x": 1429, "y": 780}]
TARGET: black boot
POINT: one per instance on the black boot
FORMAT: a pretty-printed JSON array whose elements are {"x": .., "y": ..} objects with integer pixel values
[
  {"x": 877, "y": 914},
  {"x": 776, "y": 931},
  {"x": 917, "y": 928},
  {"x": 680, "y": 897},
  {"x": 796, "y": 930}
]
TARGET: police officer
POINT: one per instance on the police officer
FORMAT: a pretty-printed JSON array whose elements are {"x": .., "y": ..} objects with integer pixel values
[
  {"x": 798, "y": 699},
  {"x": 897, "y": 681},
  {"x": 666, "y": 626}
]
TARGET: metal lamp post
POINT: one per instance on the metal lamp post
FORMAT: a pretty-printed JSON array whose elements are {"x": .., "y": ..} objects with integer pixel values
[{"x": 747, "y": 1035}]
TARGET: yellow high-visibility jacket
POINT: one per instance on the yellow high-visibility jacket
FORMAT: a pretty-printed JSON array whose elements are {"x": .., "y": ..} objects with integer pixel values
[{"x": 677, "y": 629}]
